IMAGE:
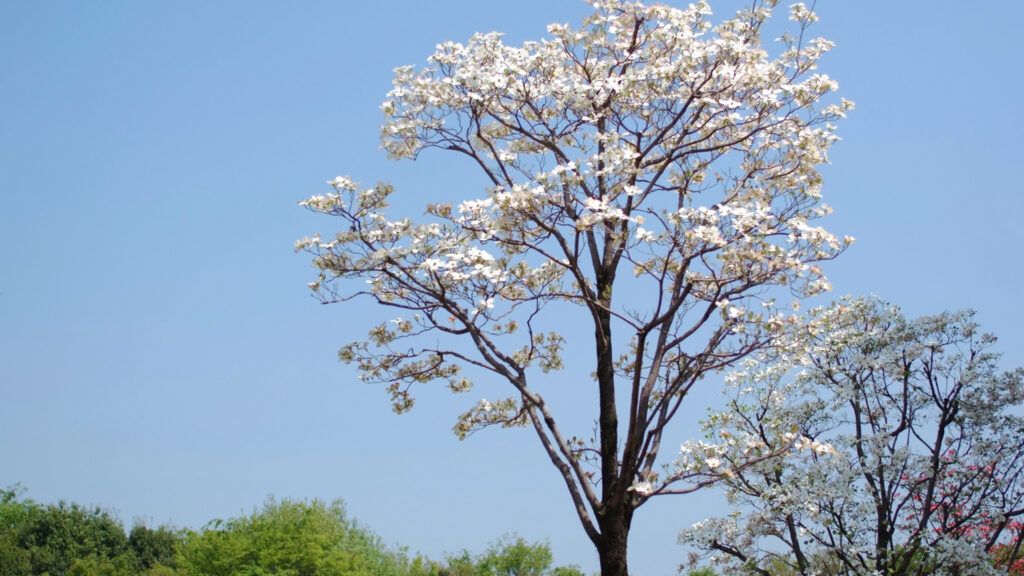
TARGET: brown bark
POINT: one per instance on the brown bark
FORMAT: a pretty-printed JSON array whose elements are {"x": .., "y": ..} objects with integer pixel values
[{"x": 612, "y": 550}]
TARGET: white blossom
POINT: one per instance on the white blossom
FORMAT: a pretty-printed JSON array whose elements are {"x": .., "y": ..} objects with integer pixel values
[{"x": 649, "y": 139}]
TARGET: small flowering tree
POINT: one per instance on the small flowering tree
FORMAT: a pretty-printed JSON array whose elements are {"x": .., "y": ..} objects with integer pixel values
[
  {"x": 652, "y": 171},
  {"x": 912, "y": 458}
]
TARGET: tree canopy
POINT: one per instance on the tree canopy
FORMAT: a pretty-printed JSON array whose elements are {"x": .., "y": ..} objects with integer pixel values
[
  {"x": 68, "y": 538},
  {"x": 283, "y": 537},
  {"x": 651, "y": 172},
  {"x": 911, "y": 457}
]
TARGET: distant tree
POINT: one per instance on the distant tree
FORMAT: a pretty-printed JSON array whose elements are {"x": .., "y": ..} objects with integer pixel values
[
  {"x": 909, "y": 454},
  {"x": 423, "y": 566},
  {"x": 14, "y": 560},
  {"x": 509, "y": 556},
  {"x": 161, "y": 570},
  {"x": 71, "y": 539},
  {"x": 123, "y": 565},
  {"x": 288, "y": 538},
  {"x": 14, "y": 509},
  {"x": 154, "y": 546},
  {"x": 652, "y": 174},
  {"x": 55, "y": 536},
  {"x": 567, "y": 571},
  {"x": 515, "y": 557},
  {"x": 461, "y": 564}
]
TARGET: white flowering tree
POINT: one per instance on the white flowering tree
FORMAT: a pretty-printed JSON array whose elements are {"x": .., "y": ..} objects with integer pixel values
[
  {"x": 912, "y": 458},
  {"x": 650, "y": 172}
]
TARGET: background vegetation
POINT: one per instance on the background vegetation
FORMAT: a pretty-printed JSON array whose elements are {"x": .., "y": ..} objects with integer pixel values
[{"x": 282, "y": 537}]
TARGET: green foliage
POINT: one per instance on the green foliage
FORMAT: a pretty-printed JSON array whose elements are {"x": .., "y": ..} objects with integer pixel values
[
  {"x": 288, "y": 538},
  {"x": 73, "y": 540},
  {"x": 515, "y": 558},
  {"x": 14, "y": 512},
  {"x": 702, "y": 571},
  {"x": 161, "y": 570},
  {"x": 508, "y": 557},
  {"x": 153, "y": 546},
  {"x": 56, "y": 535},
  {"x": 14, "y": 561},
  {"x": 50, "y": 539},
  {"x": 461, "y": 565},
  {"x": 282, "y": 538},
  {"x": 421, "y": 566},
  {"x": 123, "y": 565},
  {"x": 567, "y": 571}
]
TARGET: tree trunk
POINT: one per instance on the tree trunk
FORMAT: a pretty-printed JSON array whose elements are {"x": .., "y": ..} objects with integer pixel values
[
  {"x": 613, "y": 556},
  {"x": 614, "y": 541}
]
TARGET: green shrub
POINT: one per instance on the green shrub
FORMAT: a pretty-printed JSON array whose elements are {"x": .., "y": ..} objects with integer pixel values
[{"x": 288, "y": 538}]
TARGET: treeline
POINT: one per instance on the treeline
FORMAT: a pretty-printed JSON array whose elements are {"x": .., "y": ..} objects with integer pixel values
[{"x": 283, "y": 537}]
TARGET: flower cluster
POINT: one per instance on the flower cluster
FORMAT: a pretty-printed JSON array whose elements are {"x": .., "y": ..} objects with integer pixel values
[
  {"x": 648, "y": 140},
  {"x": 894, "y": 443}
]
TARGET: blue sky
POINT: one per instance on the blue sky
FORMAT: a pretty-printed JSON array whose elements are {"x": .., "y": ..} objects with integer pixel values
[{"x": 159, "y": 352}]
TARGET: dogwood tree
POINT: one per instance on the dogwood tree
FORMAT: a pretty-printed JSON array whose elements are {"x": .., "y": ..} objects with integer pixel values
[
  {"x": 912, "y": 459},
  {"x": 652, "y": 172}
]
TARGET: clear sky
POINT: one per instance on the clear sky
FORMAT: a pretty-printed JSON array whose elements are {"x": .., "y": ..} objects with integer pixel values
[{"x": 160, "y": 354}]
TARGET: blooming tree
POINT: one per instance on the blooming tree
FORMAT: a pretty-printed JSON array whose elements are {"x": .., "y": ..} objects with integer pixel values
[
  {"x": 653, "y": 170},
  {"x": 910, "y": 456}
]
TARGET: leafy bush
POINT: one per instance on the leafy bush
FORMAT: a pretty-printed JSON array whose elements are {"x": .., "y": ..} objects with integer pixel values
[
  {"x": 288, "y": 538},
  {"x": 283, "y": 538},
  {"x": 51, "y": 539},
  {"x": 509, "y": 556}
]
